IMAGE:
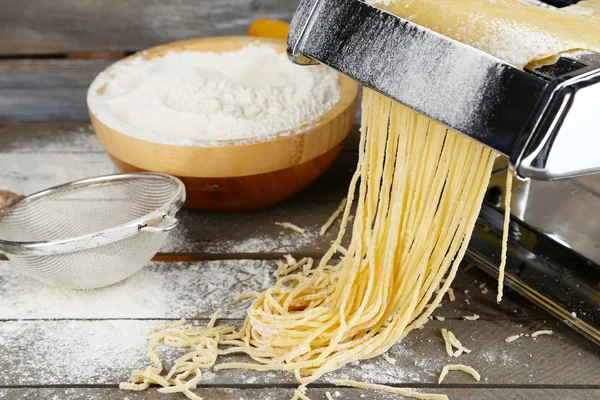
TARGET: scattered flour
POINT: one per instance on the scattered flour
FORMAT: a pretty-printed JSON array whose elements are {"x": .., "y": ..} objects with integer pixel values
[
  {"x": 207, "y": 99},
  {"x": 498, "y": 357},
  {"x": 266, "y": 237},
  {"x": 72, "y": 352},
  {"x": 160, "y": 290}
]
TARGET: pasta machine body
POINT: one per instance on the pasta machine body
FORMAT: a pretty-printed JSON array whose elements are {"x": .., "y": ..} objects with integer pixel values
[
  {"x": 544, "y": 121},
  {"x": 553, "y": 250}
]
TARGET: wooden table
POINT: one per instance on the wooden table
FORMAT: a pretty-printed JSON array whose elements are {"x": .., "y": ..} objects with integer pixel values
[
  {"x": 82, "y": 344},
  {"x": 58, "y": 344}
]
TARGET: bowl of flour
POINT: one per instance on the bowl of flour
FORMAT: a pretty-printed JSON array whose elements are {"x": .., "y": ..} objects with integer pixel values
[{"x": 241, "y": 125}]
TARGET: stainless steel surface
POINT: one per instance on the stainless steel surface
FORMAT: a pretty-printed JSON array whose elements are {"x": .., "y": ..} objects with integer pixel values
[
  {"x": 465, "y": 89},
  {"x": 535, "y": 119},
  {"x": 544, "y": 120},
  {"x": 565, "y": 141},
  {"x": 565, "y": 211},
  {"x": 91, "y": 233},
  {"x": 554, "y": 253}
]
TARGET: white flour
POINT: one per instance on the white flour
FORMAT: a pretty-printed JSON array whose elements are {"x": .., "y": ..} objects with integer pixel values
[
  {"x": 202, "y": 98},
  {"x": 160, "y": 290}
]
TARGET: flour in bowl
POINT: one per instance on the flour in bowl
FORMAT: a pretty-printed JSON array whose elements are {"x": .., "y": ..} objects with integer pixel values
[{"x": 203, "y": 98}]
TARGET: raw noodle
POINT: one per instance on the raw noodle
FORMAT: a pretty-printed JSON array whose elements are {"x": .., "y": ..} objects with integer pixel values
[
  {"x": 420, "y": 187},
  {"x": 333, "y": 217},
  {"x": 507, "y": 199},
  {"x": 292, "y": 227},
  {"x": 404, "y": 241},
  {"x": 389, "y": 389},
  {"x": 458, "y": 367}
]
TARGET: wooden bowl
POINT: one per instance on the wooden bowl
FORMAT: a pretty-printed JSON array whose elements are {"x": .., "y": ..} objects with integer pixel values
[{"x": 237, "y": 176}]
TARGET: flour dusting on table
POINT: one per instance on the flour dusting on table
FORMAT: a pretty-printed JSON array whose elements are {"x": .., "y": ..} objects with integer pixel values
[{"x": 160, "y": 290}]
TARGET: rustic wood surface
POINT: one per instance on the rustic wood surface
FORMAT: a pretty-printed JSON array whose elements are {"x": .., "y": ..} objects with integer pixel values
[
  {"x": 64, "y": 26},
  {"x": 285, "y": 393},
  {"x": 79, "y": 345},
  {"x": 63, "y": 345},
  {"x": 46, "y": 89}
]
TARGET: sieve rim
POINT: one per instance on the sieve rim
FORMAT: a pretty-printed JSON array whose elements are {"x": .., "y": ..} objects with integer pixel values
[{"x": 146, "y": 223}]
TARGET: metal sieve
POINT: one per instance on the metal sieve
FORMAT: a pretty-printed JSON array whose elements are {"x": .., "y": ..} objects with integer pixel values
[{"x": 91, "y": 233}]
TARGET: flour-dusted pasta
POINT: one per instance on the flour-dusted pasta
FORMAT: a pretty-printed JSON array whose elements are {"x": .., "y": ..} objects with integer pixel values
[
  {"x": 332, "y": 218},
  {"x": 418, "y": 188},
  {"x": 459, "y": 367}
]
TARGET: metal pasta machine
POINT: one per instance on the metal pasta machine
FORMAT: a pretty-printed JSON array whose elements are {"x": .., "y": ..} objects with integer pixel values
[{"x": 543, "y": 121}]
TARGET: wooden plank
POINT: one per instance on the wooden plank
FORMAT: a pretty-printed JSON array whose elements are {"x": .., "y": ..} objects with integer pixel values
[
  {"x": 104, "y": 352},
  {"x": 313, "y": 393},
  {"x": 29, "y": 173},
  {"x": 46, "y": 90},
  {"x": 194, "y": 290},
  {"x": 161, "y": 290},
  {"x": 44, "y": 138},
  {"x": 40, "y": 27}
]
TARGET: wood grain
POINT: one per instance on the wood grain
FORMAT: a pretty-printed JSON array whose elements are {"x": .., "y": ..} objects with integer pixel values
[
  {"x": 97, "y": 352},
  {"x": 46, "y": 90},
  {"x": 285, "y": 393},
  {"x": 192, "y": 290},
  {"x": 63, "y": 26},
  {"x": 251, "y": 192},
  {"x": 48, "y": 138}
]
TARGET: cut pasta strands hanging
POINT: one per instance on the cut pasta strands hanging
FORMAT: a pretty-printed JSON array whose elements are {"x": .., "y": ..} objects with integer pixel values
[{"x": 417, "y": 191}]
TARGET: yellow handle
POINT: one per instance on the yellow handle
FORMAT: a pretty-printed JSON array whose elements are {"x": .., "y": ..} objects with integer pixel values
[{"x": 269, "y": 28}]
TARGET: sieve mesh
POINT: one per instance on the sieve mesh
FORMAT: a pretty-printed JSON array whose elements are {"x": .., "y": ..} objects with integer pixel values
[
  {"x": 92, "y": 206},
  {"x": 87, "y": 208}
]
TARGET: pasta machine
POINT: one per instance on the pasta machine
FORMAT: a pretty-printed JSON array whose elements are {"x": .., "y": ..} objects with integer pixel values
[{"x": 543, "y": 121}]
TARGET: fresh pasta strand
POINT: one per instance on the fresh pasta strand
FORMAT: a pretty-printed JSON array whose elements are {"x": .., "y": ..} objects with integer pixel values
[
  {"x": 332, "y": 218},
  {"x": 374, "y": 294},
  {"x": 389, "y": 389},
  {"x": 505, "y": 232},
  {"x": 419, "y": 187},
  {"x": 459, "y": 367}
]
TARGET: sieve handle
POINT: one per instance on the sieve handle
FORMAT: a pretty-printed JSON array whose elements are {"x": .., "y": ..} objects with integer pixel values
[{"x": 168, "y": 223}]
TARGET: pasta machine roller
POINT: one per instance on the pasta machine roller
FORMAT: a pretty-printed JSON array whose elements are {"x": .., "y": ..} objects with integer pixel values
[{"x": 544, "y": 120}]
